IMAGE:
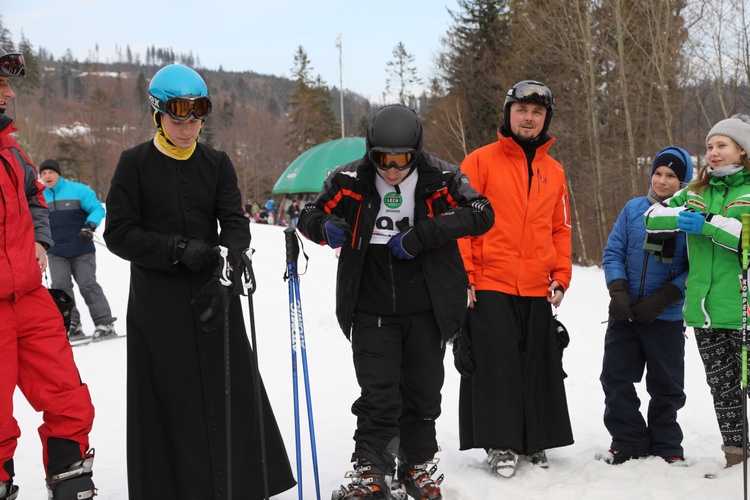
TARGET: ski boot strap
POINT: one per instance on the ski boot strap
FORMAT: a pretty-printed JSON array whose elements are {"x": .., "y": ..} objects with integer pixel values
[{"x": 74, "y": 483}]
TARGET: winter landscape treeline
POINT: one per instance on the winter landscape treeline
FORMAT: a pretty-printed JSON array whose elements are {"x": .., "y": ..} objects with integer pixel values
[{"x": 629, "y": 77}]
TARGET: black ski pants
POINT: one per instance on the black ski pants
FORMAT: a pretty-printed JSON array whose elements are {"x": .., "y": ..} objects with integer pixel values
[
  {"x": 629, "y": 349},
  {"x": 399, "y": 365}
]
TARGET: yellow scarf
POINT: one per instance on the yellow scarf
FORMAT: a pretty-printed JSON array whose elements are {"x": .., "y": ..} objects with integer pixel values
[{"x": 164, "y": 143}]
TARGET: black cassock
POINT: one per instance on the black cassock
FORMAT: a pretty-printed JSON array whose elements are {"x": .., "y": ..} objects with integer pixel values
[{"x": 175, "y": 383}]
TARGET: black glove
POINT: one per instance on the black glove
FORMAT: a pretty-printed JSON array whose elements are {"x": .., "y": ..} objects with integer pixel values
[
  {"x": 462, "y": 357},
  {"x": 650, "y": 307},
  {"x": 86, "y": 234},
  {"x": 208, "y": 303},
  {"x": 237, "y": 265},
  {"x": 246, "y": 256},
  {"x": 619, "y": 306},
  {"x": 194, "y": 254},
  {"x": 563, "y": 337},
  {"x": 336, "y": 231}
]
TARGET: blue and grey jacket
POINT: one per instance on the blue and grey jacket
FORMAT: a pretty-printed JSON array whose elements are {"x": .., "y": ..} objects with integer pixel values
[
  {"x": 71, "y": 206},
  {"x": 625, "y": 258}
]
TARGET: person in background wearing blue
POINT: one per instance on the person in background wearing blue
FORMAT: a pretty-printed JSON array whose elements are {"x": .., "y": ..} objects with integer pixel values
[
  {"x": 646, "y": 281},
  {"x": 74, "y": 214}
]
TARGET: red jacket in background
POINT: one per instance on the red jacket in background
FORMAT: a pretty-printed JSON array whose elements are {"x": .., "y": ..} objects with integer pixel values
[{"x": 21, "y": 203}]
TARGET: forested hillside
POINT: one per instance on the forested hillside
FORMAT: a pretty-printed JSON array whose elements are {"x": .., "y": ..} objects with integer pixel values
[
  {"x": 629, "y": 77},
  {"x": 85, "y": 114}
]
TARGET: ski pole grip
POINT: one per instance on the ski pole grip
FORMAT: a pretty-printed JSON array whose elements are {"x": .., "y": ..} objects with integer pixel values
[
  {"x": 249, "y": 276},
  {"x": 225, "y": 274},
  {"x": 292, "y": 246}
]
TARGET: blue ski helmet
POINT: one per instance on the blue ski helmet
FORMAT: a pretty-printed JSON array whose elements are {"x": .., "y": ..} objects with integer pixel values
[{"x": 176, "y": 82}]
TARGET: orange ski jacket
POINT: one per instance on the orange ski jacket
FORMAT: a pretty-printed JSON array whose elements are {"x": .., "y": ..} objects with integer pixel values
[{"x": 529, "y": 245}]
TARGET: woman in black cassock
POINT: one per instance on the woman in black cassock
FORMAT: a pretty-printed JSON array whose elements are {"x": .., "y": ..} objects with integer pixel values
[{"x": 166, "y": 198}]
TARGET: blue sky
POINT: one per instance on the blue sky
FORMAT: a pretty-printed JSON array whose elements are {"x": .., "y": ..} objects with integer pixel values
[{"x": 255, "y": 35}]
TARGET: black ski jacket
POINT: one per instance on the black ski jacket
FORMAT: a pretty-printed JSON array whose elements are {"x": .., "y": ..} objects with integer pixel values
[{"x": 446, "y": 208}]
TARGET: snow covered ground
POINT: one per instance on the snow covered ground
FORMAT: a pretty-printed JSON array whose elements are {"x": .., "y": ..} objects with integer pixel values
[{"x": 574, "y": 473}]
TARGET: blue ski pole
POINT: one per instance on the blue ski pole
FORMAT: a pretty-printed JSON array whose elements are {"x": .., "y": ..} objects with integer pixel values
[
  {"x": 305, "y": 371},
  {"x": 292, "y": 251},
  {"x": 291, "y": 263}
]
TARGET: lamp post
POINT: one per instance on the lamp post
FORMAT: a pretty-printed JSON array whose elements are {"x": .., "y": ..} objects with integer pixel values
[{"x": 341, "y": 85}]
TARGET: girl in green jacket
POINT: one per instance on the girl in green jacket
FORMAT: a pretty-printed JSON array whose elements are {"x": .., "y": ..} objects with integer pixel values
[{"x": 709, "y": 211}]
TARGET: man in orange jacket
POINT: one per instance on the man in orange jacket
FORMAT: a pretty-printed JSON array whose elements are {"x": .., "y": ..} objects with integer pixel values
[
  {"x": 36, "y": 355},
  {"x": 512, "y": 399}
]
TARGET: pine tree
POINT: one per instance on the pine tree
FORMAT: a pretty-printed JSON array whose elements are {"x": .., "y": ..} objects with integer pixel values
[
  {"x": 6, "y": 42},
  {"x": 472, "y": 72},
  {"x": 32, "y": 79},
  {"x": 311, "y": 119},
  {"x": 403, "y": 75}
]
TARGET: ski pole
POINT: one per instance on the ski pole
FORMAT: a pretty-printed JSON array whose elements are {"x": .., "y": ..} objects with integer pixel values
[
  {"x": 308, "y": 397},
  {"x": 291, "y": 263},
  {"x": 226, "y": 282},
  {"x": 745, "y": 251},
  {"x": 305, "y": 371},
  {"x": 292, "y": 247},
  {"x": 249, "y": 284}
]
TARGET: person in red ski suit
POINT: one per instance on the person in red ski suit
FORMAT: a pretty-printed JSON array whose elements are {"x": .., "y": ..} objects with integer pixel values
[{"x": 36, "y": 355}]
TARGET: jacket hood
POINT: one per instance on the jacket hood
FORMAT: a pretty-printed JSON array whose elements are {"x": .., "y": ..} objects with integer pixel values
[{"x": 5, "y": 122}]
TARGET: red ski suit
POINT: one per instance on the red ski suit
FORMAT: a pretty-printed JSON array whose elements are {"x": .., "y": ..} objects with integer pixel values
[{"x": 36, "y": 354}]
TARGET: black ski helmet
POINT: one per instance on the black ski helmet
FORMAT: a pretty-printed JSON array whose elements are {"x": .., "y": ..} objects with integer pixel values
[
  {"x": 529, "y": 91},
  {"x": 395, "y": 129},
  {"x": 12, "y": 64}
]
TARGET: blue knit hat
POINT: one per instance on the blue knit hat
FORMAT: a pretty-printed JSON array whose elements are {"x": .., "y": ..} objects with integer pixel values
[{"x": 677, "y": 159}]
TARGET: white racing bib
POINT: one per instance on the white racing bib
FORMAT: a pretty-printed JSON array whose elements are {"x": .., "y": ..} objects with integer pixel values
[{"x": 396, "y": 206}]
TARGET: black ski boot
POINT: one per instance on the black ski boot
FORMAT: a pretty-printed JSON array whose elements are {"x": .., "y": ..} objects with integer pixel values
[
  {"x": 417, "y": 480},
  {"x": 367, "y": 483},
  {"x": 75, "y": 483},
  {"x": 8, "y": 491}
]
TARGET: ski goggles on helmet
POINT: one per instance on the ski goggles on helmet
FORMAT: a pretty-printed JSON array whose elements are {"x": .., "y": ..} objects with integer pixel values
[
  {"x": 12, "y": 65},
  {"x": 180, "y": 108},
  {"x": 386, "y": 160},
  {"x": 532, "y": 92}
]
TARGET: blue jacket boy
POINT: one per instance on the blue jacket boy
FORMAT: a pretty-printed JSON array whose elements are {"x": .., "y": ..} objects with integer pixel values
[{"x": 646, "y": 280}]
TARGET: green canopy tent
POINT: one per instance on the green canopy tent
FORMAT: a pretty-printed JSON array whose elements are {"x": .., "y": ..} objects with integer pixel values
[{"x": 305, "y": 175}]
